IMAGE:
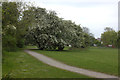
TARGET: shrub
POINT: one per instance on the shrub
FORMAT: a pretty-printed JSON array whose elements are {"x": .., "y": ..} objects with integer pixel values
[{"x": 9, "y": 43}]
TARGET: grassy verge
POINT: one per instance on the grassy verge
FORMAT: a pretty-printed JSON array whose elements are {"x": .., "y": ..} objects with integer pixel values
[
  {"x": 98, "y": 59},
  {"x": 21, "y": 65},
  {"x": 0, "y": 71}
]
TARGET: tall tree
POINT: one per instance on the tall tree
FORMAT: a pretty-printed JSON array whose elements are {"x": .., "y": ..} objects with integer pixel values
[
  {"x": 12, "y": 32},
  {"x": 109, "y": 37},
  {"x": 9, "y": 21},
  {"x": 51, "y": 32}
]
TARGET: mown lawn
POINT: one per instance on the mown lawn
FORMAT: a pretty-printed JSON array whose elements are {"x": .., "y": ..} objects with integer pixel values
[
  {"x": 97, "y": 59},
  {"x": 21, "y": 65},
  {"x": 0, "y": 71},
  {"x": 0, "y": 61}
]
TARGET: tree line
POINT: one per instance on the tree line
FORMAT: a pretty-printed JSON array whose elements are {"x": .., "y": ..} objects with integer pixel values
[
  {"x": 24, "y": 24},
  {"x": 110, "y": 37}
]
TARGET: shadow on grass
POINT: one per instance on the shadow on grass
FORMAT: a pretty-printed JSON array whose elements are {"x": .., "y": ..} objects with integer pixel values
[
  {"x": 50, "y": 50},
  {"x": 62, "y": 51}
]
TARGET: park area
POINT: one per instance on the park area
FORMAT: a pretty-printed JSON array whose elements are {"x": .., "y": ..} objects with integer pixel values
[
  {"x": 98, "y": 59},
  {"x": 21, "y": 65},
  {"x": 37, "y": 43}
]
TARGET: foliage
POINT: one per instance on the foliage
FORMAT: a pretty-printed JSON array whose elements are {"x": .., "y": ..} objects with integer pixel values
[
  {"x": 109, "y": 37},
  {"x": 92, "y": 40},
  {"x": 86, "y": 40},
  {"x": 9, "y": 14},
  {"x": 9, "y": 43},
  {"x": 8, "y": 38},
  {"x": 38, "y": 26},
  {"x": 89, "y": 39},
  {"x": 12, "y": 30},
  {"x": 98, "y": 43},
  {"x": 48, "y": 31}
]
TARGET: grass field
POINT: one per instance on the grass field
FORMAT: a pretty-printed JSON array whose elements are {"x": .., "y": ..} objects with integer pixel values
[
  {"x": 0, "y": 60},
  {"x": 21, "y": 65},
  {"x": 0, "y": 71},
  {"x": 97, "y": 59}
]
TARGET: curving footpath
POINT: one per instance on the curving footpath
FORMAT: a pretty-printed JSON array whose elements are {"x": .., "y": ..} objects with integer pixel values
[{"x": 52, "y": 62}]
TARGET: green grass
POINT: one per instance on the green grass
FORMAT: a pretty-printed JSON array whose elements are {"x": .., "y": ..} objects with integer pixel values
[
  {"x": 97, "y": 59},
  {"x": 0, "y": 71},
  {"x": 21, "y": 65},
  {"x": 0, "y": 66},
  {"x": 30, "y": 47}
]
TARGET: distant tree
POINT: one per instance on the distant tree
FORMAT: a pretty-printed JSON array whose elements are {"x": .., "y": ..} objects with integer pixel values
[
  {"x": 98, "y": 43},
  {"x": 92, "y": 40},
  {"x": 108, "y": 29},
  {"x": 118, "y": 40},
  {"x": 89, "y": 39},
  {"x": 109, "y": 37}
]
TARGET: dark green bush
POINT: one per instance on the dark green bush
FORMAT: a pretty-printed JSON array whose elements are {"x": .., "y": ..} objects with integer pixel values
[
  {"x": 9, "y": 43},
  {"x": 20, "y": 43}
]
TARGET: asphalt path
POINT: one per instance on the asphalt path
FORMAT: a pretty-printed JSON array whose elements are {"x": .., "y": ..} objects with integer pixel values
[{"x": 58, "y": 64}]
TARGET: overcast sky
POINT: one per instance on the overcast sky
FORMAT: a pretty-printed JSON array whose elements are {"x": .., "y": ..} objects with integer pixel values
[{"x": 94, "y": 14}]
